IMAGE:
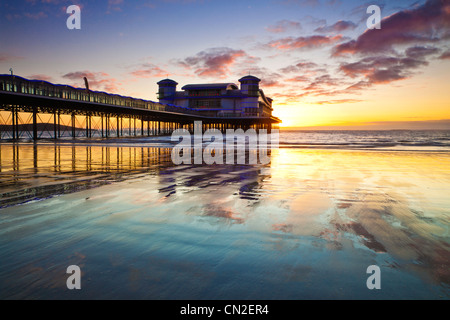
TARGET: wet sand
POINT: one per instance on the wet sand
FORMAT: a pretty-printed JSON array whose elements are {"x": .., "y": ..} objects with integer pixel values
[{"x": 306, "y": 226}]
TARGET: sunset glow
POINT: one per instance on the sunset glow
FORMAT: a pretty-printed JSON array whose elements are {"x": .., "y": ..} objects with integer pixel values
[{"x": 317, "y": 59}]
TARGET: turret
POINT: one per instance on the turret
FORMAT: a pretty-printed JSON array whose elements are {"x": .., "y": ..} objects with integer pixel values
[
  {"x": 167, "y": 90},
  {"x": 250, "y": 85}
]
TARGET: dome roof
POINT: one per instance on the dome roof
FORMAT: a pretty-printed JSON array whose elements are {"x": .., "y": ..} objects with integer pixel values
[
  {"x": 249, "y": 78},
  {"x": 169, "y": 82}
]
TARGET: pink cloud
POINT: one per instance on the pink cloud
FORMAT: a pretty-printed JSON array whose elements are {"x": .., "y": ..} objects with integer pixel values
[
  {"x": 338, "y": 101},
  {"x": 283, "y": 26},
  {"x": 291, "y": 43},
  {"x": 40, "y": 77},
  {"x": 339, "y": 26},
  {"x": 35, "y": 16},
  {"x": 97, "y": 81},
  {"x": 302, "y": 66},
  {"x": 114, "y": 5},
  {"x": 215, "y": 62},
  {"x": 4, "y": 57},
  {"x": 385, "y": 69},
  {"x": 445, "y": 55},
  {"x": 148, "y": 70},
  {"x": 427, "y": 23}
]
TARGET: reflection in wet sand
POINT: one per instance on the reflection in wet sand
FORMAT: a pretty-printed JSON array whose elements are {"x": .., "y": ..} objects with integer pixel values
[
  {"x": 305, "y": 226},
  {"x": 29, "y": 172}
]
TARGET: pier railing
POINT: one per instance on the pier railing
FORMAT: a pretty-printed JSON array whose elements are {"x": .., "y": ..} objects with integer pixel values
[{"x": 21, "y": 85}]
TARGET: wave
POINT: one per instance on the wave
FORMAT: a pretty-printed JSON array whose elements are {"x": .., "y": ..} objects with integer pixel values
[{"x": 361, "y": 145}]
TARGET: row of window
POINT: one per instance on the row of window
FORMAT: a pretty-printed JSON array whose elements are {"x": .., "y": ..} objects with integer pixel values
[
  {"x": 199, "y": 104},
  {"x": 251, "y": 111},
  {"x": 202, "y": 93},
  {"x": 65, "y": 92},
  {"x": 249, "y": 82}
]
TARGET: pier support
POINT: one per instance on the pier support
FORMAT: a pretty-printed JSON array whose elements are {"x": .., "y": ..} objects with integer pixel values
[
  {"x": 35, "y": 136},
  {"x": 13, "y": 122},
  {"x": 118, "y": 127},
  {"x": 54, "y": 125},
  {"x": 73, "y": 125}
]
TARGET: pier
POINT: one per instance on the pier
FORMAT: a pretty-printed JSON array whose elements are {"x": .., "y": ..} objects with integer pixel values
[{"x": 36, "y": 109}]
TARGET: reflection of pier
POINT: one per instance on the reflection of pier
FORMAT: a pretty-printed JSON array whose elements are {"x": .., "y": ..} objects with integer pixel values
[
  {"x": 21, "y": 159},
  {"x": 38, "y": 109},
  {"x": 37, "y": 171}
]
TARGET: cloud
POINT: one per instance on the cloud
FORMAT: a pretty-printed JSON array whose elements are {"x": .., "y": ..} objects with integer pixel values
[
  {"x": 320, "y": 82},
  {"x": 28, "y": 15},
  {"x": 283, "y": 26},
  {"x": 385, "y": 69},
  {"x": 445, "y": 55},
  {"x": 301, "y": 86},
  {"x": 298, "y": 79},
  {"x": 420, "y": 52},
  {"x": 309, "y": 42},
  {"x": 35, "y": 16},
  {"x": 302, "y": 3},
  {"x": 313, "y": 21},
  {"x": 148, "y": 70},
  {"x": 428, "y": 23},
  {"x": 114, "y": 5},
  {"x": 40, "y": 77},
  {"x": 5, "y": 57},
  {"x": 52, "y": 1},
  {"x": 268, "y": 77},
  {"x": 302, "y": 66},
  {"x": 214, "y": 62},
  {"x": 97, "y": 80},
  {"x": 338, "y": 27},
  {"x": 339, "y": 101}
]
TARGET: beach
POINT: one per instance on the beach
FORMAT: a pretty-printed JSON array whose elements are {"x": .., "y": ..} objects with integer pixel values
[{"x": 305, "y": 226}]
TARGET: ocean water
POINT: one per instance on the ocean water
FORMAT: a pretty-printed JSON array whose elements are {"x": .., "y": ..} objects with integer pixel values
[
  {"x": 424, "y": 140},
  {"x": 305, "y": 226}
]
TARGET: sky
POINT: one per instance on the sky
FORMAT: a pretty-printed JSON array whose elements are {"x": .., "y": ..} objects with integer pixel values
[{"x": 317, "y": 59}]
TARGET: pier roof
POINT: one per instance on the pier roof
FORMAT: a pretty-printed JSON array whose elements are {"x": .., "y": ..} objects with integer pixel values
[{"x": 205, "y": 86}]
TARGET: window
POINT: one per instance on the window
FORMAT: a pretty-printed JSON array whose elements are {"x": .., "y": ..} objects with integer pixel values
[
  {"x": 205, "y": 104},
  {"x": 253, "y": 90}
]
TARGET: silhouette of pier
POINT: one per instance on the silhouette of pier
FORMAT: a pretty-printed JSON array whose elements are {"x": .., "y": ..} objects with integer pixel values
[{"x": 34, "y": 109}]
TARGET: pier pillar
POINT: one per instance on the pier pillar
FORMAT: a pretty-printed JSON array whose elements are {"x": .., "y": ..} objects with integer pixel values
[
  {"x": 107, "y": 125},
  {"x": 73, "y": 125},
  {"x": 55, "y": 133},
  {"x": 118, "y": 127},
  {"x": 129, "y": 126},
  {"x": 59, "y": 124},
  {"x": 13, "y": 122},
  {"x": 35, "y": 123},
  {"x": 17, "y": 123},
  {"x": 90, "y": 125},
  {"x": 87, "y": 125}
]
